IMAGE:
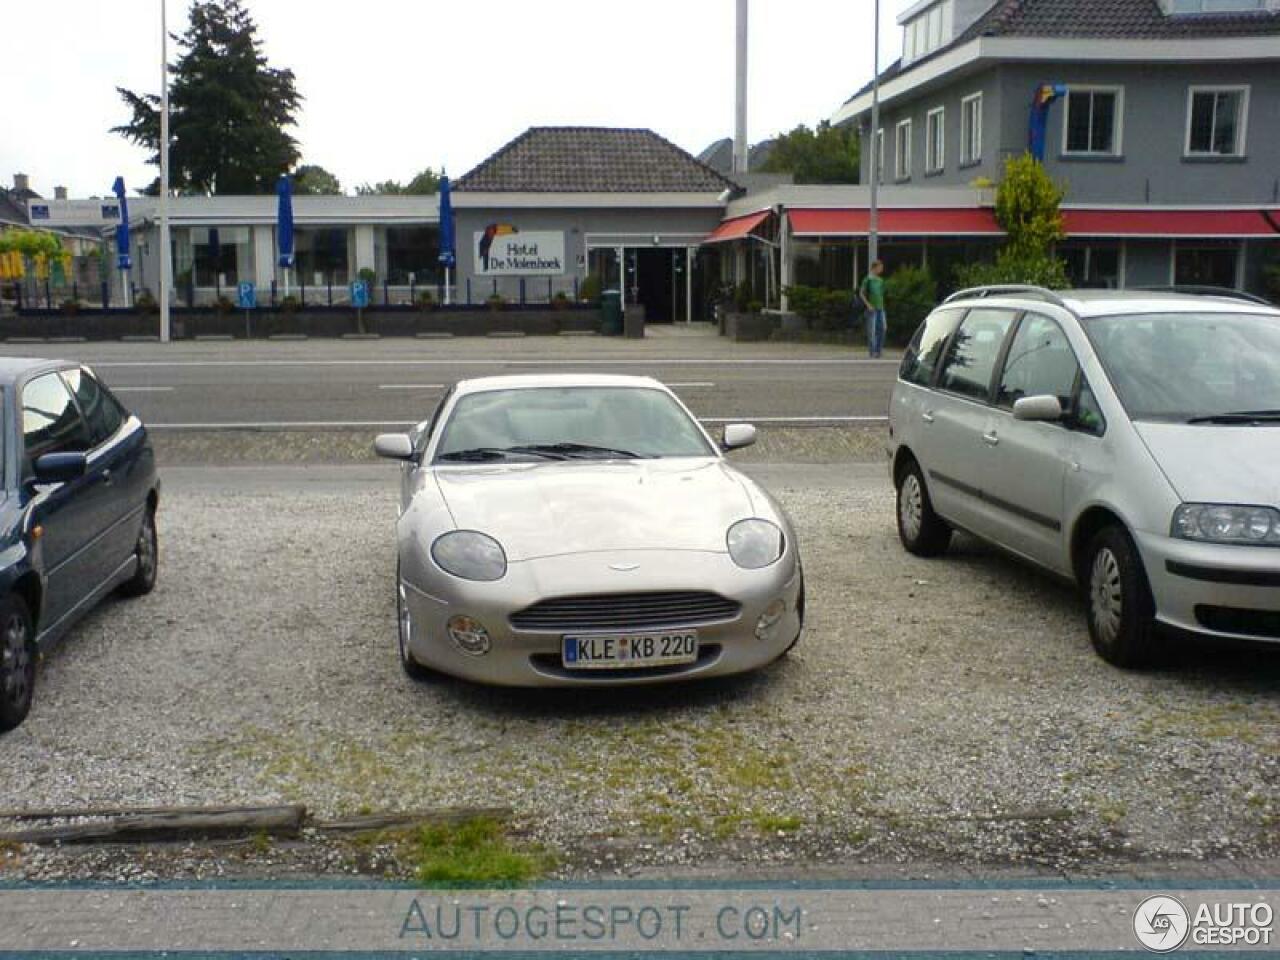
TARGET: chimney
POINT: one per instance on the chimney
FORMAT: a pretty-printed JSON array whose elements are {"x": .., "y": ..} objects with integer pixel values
[
  {"x": 740, "y": 145},
  {"x": 21, "y": 182},
  {"x": 59, "y": 193}
]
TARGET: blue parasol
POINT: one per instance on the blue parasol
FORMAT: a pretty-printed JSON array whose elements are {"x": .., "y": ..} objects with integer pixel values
[
  {"x": 448, "y": 240},
  {"x": 284, "y": 226},
  {"x": 123, "y": 260}
]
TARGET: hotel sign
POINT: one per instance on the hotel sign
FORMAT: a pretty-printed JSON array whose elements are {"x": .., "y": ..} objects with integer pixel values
[{"x": 503, "y": 250}]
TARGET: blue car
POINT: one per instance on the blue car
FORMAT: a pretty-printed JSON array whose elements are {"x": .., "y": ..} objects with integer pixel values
[{"x": 77, "y": 512}]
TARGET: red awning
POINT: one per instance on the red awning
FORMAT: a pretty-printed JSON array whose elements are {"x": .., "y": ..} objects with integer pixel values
[
  {"x": 737, "y": 228},
  {"x": 1167, "y": 224},
  {"x": 895, "y": 222}
]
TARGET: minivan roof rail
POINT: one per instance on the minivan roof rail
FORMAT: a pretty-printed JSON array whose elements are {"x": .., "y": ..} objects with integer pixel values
[
  {"x": 1203, "y": 290},
  {"x": 1011, "y": 289}
]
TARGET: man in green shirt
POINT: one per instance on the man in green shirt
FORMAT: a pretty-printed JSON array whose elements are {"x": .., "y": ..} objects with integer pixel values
[{"x": 872, "y": 293}]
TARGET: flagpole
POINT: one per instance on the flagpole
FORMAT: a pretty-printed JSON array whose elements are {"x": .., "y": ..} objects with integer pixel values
[{"x": 166, "y": 264}]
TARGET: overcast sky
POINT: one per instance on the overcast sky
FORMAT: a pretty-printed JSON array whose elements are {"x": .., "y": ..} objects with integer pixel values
[{"x": 392, "y": 86}]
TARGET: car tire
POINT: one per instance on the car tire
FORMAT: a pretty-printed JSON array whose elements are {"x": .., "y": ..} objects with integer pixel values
[
  {"x": 404, "y": 627},
  {"x": 1118, "y": 602},
  {"x": 800, "y": 611},
  {"x": 921, "y": 531},
  {"x": 147, "y": 550},
  {"x": 17, "y": 662}
]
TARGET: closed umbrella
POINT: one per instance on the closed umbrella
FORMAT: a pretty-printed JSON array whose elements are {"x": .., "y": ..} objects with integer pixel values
[
  {"x": 448, "y": 252},
  {"x": 123, "y": 261},
  {"x": 284, "y": 227}
]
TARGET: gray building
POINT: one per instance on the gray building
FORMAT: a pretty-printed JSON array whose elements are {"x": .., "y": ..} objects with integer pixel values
[{"x": 1162, "y": 119}]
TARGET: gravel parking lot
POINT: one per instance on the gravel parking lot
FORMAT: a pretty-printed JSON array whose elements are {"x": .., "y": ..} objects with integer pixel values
[{"x": 950, "y": 710}]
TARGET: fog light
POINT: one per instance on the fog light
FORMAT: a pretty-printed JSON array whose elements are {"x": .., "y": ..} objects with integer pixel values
[
  {"x": 470, "y": 636},
  {"x": 770, "y": 618}
]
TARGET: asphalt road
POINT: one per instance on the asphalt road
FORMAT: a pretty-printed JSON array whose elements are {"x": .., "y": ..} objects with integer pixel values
[{"x": 392, "y": 382}]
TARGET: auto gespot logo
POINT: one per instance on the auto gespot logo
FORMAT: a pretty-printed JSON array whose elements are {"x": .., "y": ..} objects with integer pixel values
[{"x": 1162, "y": 924}]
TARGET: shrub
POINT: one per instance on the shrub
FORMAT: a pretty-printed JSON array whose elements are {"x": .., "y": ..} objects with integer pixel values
[
  {"x": 426, "y": 301},
  {"x": 591, "y": 288},
  {"x": 290, "y": 304},
  {"x": 909, "y": 293},
  {"x": 754, "y": 306},
  {"x": 823, "y": 309},
  {"x": 496, "y": 301},
  {"x": 560, "y": 301},
  {"x": 146, "y": 303},
  {"x": 70, "y": 307},
  {"x": 224, "y": 305},
  {"x": 742, "y": 298}
]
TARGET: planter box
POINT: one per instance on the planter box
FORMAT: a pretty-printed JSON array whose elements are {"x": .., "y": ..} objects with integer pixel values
[{"x": 748, "y": 327}]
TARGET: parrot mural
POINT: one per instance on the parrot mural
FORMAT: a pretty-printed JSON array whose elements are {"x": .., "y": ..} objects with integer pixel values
[{"x": 491, "y": 233}]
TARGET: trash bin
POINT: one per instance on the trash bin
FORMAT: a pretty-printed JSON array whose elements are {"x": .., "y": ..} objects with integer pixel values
[
  {"x": 633, "y": 323},
  {"x": 611, "y": 313}
]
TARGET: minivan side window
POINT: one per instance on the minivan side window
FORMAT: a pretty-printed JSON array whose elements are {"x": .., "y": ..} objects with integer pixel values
[
  {"x": 1040, "y": 363},
  {"x": 102, "y": 413},
  {"x": 50, "y": 421},
  {"x": 974, "y": 351},
  {"x": 922, "y": 356}
]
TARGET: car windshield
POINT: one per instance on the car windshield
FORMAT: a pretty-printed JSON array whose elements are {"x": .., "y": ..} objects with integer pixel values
[
  {"x": 569, "y": 423},
  {"x": 1193, "y": 367}
]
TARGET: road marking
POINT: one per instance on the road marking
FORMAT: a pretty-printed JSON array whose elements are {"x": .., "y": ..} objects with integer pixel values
[
  {"x": 142, "y": 389},
  {"x": 337, "y": 424},
  {"x": 411, "y": 386}
]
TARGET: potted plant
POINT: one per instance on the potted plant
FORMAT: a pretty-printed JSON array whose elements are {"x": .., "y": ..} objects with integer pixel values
[
  {"x": 145, "y": 303},
  {"x": 496, "y": 302},
  {"x": 560, "y": 301},
  {"x": 290, "y": 305},
  {"x": 426, "y": 301},
  {"x": 70, "y": 307},
  {"x": 589, "y": 291}
]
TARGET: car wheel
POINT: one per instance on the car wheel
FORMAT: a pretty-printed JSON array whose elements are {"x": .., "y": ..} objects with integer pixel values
[
  {"x": 147, "y": 550},
  {"x": 921, "y": 531},
  {"x": 404, "y": 630},
  {"x": 17, "y": 662},
  {"x": 1118, "y": 601},
  {"x": 800, "y": 611}
]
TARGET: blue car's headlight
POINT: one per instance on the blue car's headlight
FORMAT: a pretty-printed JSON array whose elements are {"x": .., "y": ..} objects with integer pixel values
[
  {"x": 755, "y": 543},
  {"x": 1227, "y": 523},
  {"x": 470, "y": 555}
]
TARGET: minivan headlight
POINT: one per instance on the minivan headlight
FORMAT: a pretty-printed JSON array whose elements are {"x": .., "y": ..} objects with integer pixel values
[
  {"x": 470, "y": 555},
  {"x": 1227, "y": 523},
  {"x": 754, "y": 543}
]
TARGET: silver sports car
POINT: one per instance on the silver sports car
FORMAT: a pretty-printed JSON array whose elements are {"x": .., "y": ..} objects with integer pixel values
[{"x": 574, "y": 530}]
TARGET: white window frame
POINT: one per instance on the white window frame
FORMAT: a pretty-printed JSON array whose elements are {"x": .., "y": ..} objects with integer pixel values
[
  {"x": 902, "y": 149},
  {"x": 941, "y": 152},
  {"x": 1117, "y": 140},
  {"x": 1242, "y": 121},
  {"x": 971, "y": 139}
]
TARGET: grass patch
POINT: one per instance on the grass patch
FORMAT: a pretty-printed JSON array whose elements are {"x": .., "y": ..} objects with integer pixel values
[
  {"x": 471, "y": 854},
  {"x": 775, "y": 823}
]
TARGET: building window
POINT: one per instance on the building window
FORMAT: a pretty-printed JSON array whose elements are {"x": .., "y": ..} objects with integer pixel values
[
  {"x": 1216, "y": 121},
  {"x": 1210, "y": 265},
  {"x": 928, "y": 31},
  {"x": 1215, "y": 6},
  {"x": 1093, "y": 120},
  {"x": 902, "y": 150},
  {"x": 971, "y": 129},
  {"x": 935, "y": 147},
  {"x": 1092, "y": 265}
]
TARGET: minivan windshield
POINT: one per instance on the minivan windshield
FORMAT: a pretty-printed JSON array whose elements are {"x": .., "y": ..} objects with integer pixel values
[
  {"x": 1193, "y": 367},
  {"x": 569, "y": 423}
]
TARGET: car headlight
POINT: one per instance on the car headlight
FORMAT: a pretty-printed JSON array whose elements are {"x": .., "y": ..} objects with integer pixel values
[
  {"x": 754, "y": 543},
  {"x": 470, "y": 555},
  {"x": 1227, "y": 523}
]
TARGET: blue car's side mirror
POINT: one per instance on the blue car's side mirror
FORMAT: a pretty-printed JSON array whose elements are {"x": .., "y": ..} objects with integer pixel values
[{"x": 60, "y": 467}]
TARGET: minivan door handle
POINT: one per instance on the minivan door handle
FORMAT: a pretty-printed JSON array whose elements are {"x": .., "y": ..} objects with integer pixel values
[
  {"x": 927, "y": 416},
  {"x": 990, "y": 438}
]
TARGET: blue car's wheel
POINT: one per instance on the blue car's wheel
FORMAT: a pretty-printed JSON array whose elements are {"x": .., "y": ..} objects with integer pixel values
[
  {"x": 17, "y": 662},
  {"x": 147, "y": 550}
]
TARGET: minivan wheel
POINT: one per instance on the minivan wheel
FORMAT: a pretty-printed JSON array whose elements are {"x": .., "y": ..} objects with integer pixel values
[
  {"x": 1118, "y": 603},
  {"x": 17, "y": 662},
  {"x": 404, "y": 630},
  {"x": 921, "y": 531},
  {"x": 147, "y": 550}
]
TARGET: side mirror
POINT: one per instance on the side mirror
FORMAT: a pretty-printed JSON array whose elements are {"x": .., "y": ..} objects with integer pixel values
[
  {"x": 60, "y": 467},
  {"x": 393, "y": 446},
  {"x": 738, "y": 435},
  {"x": 1044, "y": 408}
]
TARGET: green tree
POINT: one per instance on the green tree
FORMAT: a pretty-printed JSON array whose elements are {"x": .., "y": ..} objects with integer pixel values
[
  {"x": 425, "y": 183},
  {"x": 228, "y": 110},
  {"x": 1029, "y": 210},
  {"x": 310, "y": 179},
  {"x": 826, "y": 154}
]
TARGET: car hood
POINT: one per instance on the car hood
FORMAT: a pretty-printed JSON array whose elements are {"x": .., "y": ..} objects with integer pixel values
[
  {"x": 547, "y": 509},
  {"x": 1212, "y": 463}
]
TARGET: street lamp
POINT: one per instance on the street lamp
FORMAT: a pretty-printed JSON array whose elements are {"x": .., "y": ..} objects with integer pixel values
[
  {"x": 873, "y": 226},
  {"x": 166, "y": 265}
]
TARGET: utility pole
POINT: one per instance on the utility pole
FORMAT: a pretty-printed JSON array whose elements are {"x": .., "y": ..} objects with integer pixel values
[
  {"x": 740, "y": 146},
  {"x": 166, "y": 263},
  {"x": 873, "y": 227}
]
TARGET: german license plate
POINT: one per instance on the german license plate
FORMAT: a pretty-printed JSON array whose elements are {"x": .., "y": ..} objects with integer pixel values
[{"x": 629, "y": 651}]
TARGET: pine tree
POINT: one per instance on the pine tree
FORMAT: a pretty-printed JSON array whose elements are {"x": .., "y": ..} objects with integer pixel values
[{"x": 228, "y": 110}]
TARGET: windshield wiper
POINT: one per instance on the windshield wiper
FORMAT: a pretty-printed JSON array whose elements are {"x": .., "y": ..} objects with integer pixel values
[
  {"x": 1240, "y": 416},
  {"x": 581, "y": 451},
  {"x": 487, "y": 454}
]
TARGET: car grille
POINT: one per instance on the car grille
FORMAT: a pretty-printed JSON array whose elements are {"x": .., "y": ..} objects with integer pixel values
[
  {"x": 1249, "y": 623},
  {"x": 626, "y": 611}
]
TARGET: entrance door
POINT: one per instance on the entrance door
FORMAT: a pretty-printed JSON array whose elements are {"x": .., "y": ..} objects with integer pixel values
[{"x": 654, "y": 283}]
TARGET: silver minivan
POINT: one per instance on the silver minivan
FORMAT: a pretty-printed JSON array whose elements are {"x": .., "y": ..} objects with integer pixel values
[{"x": 1128, "y": 441}]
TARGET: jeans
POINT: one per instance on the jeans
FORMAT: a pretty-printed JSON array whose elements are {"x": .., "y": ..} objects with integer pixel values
[{"x": 875, "y": 331}]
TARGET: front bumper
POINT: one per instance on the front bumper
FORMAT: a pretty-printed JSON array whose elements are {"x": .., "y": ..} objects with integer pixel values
[
  {"x": 1214, "y": 589},
  {"x": 529, "y": 658}
]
